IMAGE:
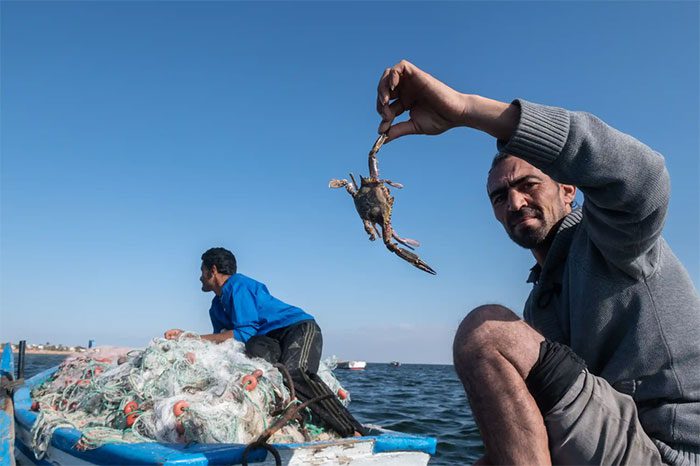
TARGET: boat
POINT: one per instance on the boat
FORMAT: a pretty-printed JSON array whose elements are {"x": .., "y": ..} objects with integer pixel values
[
  {"x": 354, "y": 365},
  {"x": 380, "y": 446},
  {"x": 394, "y": 363}
]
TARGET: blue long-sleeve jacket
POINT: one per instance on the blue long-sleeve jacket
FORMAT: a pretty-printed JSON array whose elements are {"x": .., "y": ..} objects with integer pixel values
[{"x": 247, "y": 307}]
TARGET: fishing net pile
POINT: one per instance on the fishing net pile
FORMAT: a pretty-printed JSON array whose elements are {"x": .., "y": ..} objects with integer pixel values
[{"x": 174, "y": 391}]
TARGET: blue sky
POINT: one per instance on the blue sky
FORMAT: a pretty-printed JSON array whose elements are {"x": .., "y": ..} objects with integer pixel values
[{"x": 135, "y": 135}]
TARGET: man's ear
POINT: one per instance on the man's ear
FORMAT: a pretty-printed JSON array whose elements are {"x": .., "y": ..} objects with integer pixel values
[
  {"x": 214, "y": 270},
  {"x": 568, "y": 193}
]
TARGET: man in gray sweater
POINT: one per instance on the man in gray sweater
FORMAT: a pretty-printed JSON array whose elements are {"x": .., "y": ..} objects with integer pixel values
[{"x": 606, "y": 367}]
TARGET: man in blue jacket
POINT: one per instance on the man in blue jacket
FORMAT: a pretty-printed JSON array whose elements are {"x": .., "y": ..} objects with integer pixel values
[
  {"x": 243, "y": 309},
  {"x": 605, "y": 367}
]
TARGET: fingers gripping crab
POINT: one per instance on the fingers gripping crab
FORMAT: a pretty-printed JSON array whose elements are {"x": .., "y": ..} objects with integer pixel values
[{"x": 374, "y": 203}]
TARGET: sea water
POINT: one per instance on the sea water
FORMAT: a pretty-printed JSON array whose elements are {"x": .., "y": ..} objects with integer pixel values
[{"x": 418, "y": 399}]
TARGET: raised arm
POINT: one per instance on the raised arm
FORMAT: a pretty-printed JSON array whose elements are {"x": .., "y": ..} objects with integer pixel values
[
  {"x": 625, "y": 183},
  {"x": 435, "y": 107}
]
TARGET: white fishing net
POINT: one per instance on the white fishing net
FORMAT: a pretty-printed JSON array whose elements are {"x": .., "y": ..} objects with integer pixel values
[{"x": 180, "y": 391}]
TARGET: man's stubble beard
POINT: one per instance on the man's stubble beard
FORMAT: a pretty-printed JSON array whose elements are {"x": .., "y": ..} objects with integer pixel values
[{"x": 534, "y": 238}]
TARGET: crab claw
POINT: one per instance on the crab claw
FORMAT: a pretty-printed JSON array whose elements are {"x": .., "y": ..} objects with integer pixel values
[
  {"x": 408, "y": 256},
  {"x": 337, "y": 183}
]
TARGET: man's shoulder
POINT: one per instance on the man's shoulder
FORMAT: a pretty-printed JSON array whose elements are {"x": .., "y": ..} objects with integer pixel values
[{"x": 243, "y": 280}]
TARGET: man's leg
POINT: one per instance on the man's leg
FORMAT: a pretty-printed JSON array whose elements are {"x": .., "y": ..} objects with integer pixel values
[
  {"x": 514, "y": 378},
  {"x": 301, "y": 353},
  {"x": 595, "y": 424},
  {"x": 494, "y": 351},
  {"x": 262, "y": 346}
]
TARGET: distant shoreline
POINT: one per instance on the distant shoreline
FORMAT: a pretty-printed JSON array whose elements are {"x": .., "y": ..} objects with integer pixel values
[{"x": 73, "y": 353}]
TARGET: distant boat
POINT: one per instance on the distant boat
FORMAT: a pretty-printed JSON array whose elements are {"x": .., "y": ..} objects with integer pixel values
[
  {"x": 354, "y": 365},
  {"x": 395, "y": 363}
]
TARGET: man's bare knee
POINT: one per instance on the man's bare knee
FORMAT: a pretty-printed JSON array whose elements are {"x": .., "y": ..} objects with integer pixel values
[
  {"x": 492, "y": 331},
  {"x": 478, "y": 326}
]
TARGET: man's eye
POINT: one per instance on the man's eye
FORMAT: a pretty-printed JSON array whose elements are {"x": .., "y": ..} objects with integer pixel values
[{"x": 497, "y": 199}]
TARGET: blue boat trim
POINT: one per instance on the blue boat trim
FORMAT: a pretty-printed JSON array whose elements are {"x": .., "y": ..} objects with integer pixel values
[
  {"x": 5, "y": 434},
  {"x": 402, "y": 442},
  {"x": 7, "y": 363},
  {"x": 7, "y": 367},
  {"x": 149, "y": 453}
]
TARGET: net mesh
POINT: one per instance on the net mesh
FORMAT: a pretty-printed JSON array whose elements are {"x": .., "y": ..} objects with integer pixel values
[{"x": 181, "y": 391}]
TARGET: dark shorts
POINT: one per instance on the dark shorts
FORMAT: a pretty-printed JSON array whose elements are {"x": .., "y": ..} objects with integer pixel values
[{"x": 587, "y": 421}]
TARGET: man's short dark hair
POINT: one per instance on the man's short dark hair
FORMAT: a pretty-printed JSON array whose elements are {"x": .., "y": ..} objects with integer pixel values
[
  {"x": 498, "y": 158},
  {"x": 223, "y": 259},
  {"x": 501, "y": 156}
]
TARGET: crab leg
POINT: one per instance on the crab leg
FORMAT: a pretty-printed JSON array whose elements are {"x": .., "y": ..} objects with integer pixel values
[
  {"x": 392, "y": 183},
  {"x": 349, "y": 187},
  {"x": 369, "y": 228},
  {"x": 373, "y": 168},
  {"x": 354, "y": 183},
  {"x": 405, "y": 254},
  {"x": 408, "y": 242}
]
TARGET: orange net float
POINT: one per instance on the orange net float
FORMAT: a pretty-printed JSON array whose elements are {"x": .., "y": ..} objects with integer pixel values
[
  {"x": 180, "y": 407},
  {"x": 131, "y": 418},
  {"x": 342, "y": 394},
  {"x": 249, "y": 382},
  {"x": 178, "y": 410},
  {"x": 131, "y": 407},
  {"x": 35, "y": 406}
]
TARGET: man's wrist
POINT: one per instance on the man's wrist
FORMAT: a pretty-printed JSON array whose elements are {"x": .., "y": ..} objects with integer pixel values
[
  {"x": 469, "y": 102},
  {"x": 499, "y": 119}
]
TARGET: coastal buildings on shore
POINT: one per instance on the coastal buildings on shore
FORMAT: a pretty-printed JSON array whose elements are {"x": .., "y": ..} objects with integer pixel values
[{"x": 49, "y": 347}]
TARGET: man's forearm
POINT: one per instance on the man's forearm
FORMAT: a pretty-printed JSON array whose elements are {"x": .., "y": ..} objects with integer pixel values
[
  {"x": 218, "y": 337},
  {"x": 498, "y": 119}
]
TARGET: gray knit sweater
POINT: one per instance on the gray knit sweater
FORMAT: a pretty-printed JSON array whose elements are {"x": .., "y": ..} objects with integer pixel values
[{"x": 610, "y": 287}]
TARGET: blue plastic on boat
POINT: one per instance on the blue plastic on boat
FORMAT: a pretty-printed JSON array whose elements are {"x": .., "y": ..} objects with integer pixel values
[
  {"x": 6, "y": 411},
  {"x": 7, "y": 364}
]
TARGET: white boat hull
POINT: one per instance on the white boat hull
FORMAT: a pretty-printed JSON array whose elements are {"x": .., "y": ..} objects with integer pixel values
[{"x": 352, "y": 365}]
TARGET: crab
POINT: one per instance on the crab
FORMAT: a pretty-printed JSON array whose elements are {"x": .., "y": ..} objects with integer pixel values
[{"x": 374, "y": 203}]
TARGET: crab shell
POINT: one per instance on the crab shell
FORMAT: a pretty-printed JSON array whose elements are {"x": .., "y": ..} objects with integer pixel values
[{"x": 373, "y": 201}]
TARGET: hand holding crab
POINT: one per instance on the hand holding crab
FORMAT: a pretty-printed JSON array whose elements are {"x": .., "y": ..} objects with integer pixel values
[{"x": 374, "y": 203}]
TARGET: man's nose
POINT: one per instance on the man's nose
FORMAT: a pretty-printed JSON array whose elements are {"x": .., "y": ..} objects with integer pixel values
[{"x": 516, "y": 200}]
